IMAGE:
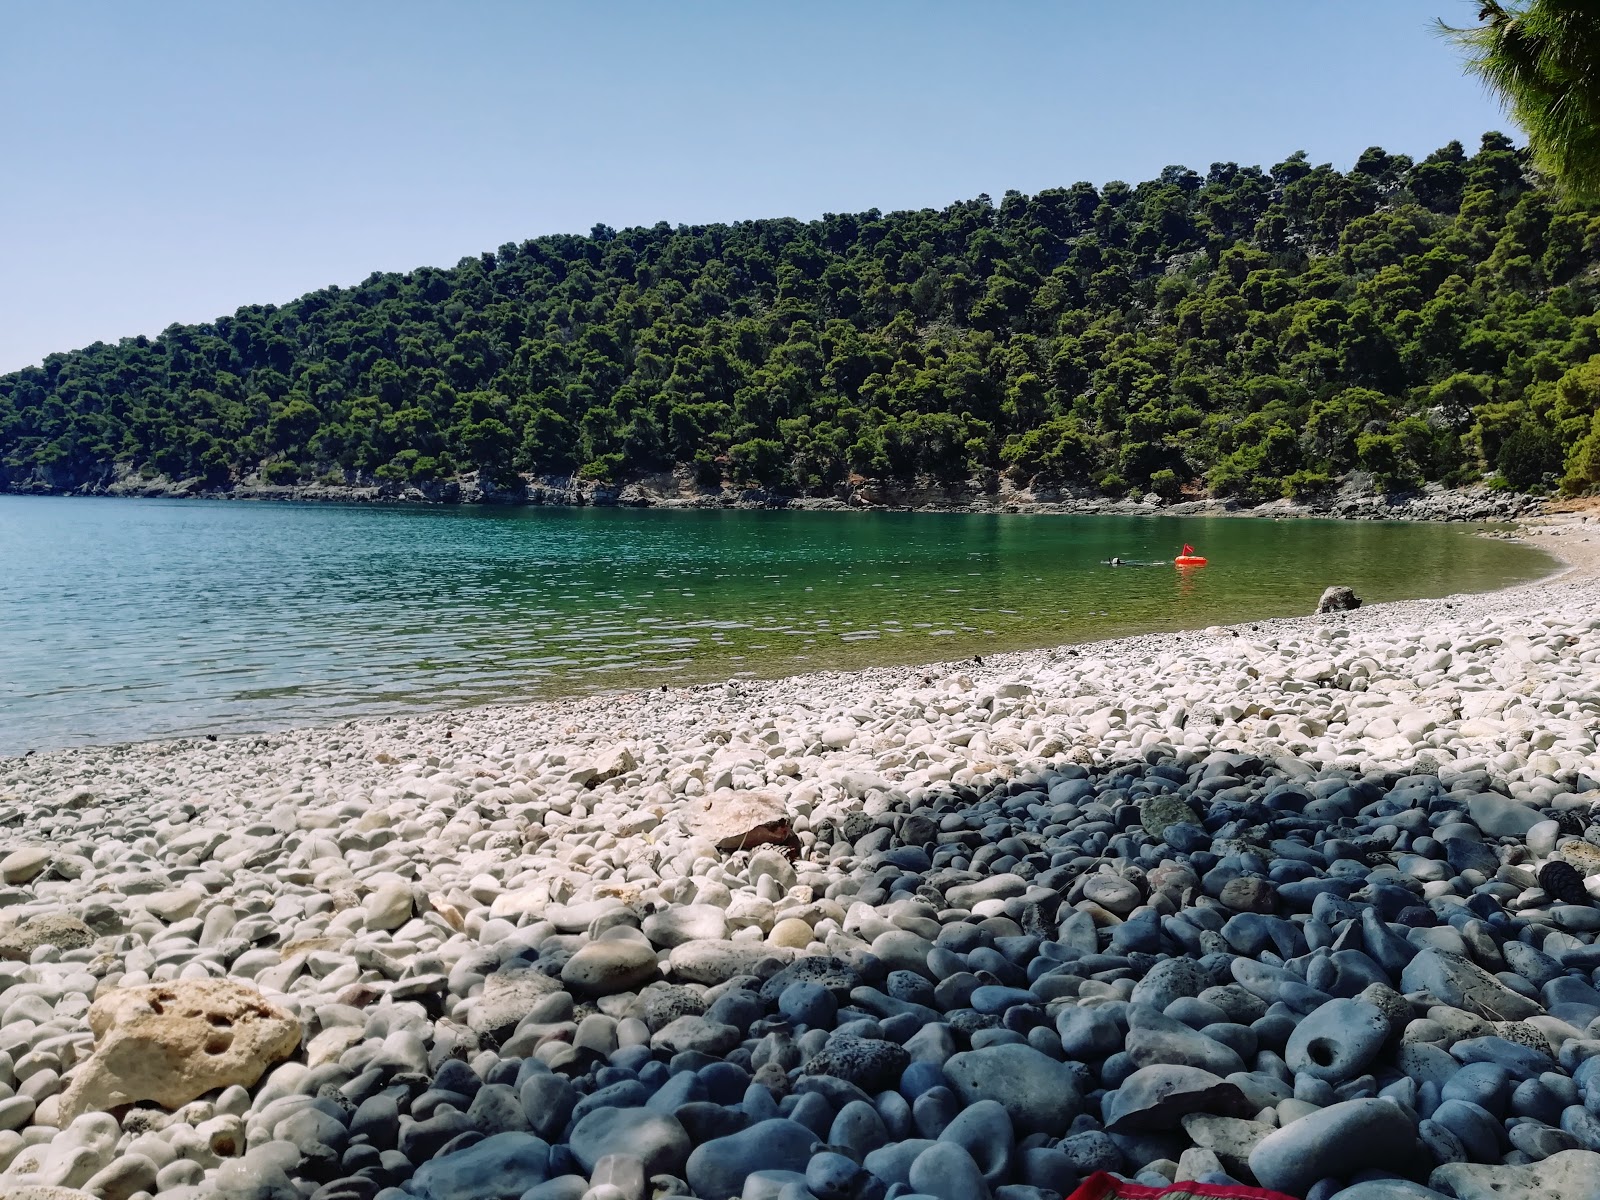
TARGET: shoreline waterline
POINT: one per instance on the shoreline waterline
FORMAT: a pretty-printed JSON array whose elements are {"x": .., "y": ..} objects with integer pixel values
[
  {"x": 208, "y": 619},
  {"x": 1558, "y": 536}
]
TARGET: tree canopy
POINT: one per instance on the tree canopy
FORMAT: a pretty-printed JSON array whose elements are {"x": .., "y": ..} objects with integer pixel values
[
  {"x": 1541, "y": 59},
  {"x": 1248, "y": 332}
]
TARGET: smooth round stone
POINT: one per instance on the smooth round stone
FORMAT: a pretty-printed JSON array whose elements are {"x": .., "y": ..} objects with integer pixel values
[
  {"x": 902, "y": 950},
  {"x": 808, "y": 1004},
  {"x": 497, "y": 1166},
  {"x": 791, "y": 932},
  {"x": 767, "y": 1184},
  {"x": 1194, "y": 1012},
  {"x": 389, "y": 906},
  {"x": 1483, "y": 1084},
  {"x": 562, "y": 1187},
  {"x": 21, "y": 866},
  {"x": 713, "y": 962},
  {"x": 548, "y": 1100},
  {"x": 982, "y": 1038},
  {"x": 16, "y": 1111},
  {"x": 1465, "y": 985},
  {"x": 1241, "y": 1039},
  {"x": 932, "y": 1112},
  {"x": 699, "y": 1034},
  {"x": 892, "y": 1163},
  {"x": 1337, "y": 1040},
  {"x": 687, "y": 923},
  {"x": 610, "y": 965},
  {"x": 719, "y": 1167},
  {"x": 919, "y": 1077},
  {"x": 983, "y": 1130},
  {"x": 1160, "y": 1039},
  {"x": 1535, "y": 1098},
  {"x": 995, "y": 1000},
  {"x": 860, "y": 1129},
  {"x": 1541, "y": 1141},
  {"x": 1440, "y": 1143},
  {"x": 378, "y": 1120},
  {"x": 946, "y": 1171},
  {"x": 1334, "y": 1142},
  {"x": 831, "y": 1176},
  {"x": 1039, "y": 1093},
  {"x": 895, "y": 1112},
  {"x": 657, "y": 1139},
  {"x": 1474, "y": 1127},
  {"x": 1521, "y": 1061},
  {"x": 813, "y": 1110},
  {"x": 1090, "y": 1033},
  {"x": 1386, "y": 1189}
]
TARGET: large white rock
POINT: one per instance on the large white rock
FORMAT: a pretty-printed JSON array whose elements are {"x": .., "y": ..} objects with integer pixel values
[
  {"x": 174, "y": 1042},
  {"x": 389, "y": 906},
  {"x": 22, "y": 866},
  {"x": 735, "y": 820},
  {"x": 685, "y": 923}
]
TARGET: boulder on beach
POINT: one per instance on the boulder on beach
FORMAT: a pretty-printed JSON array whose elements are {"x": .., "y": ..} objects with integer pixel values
[
  {"x": 174, "y": 1042},
  {"x": 1338, "y": 599},
  {"x": 737, "y": 820}
]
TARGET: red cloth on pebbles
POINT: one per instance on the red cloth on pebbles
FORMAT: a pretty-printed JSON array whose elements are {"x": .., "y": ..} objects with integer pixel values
[{"x": 1103, "y": 1185}]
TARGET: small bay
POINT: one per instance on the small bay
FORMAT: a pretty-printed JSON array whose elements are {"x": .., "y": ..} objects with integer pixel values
[{"x": 124, "y": 620}]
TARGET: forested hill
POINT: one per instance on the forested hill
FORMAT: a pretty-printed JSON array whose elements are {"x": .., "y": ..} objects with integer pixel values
[{"x": 1247, "y": 332}]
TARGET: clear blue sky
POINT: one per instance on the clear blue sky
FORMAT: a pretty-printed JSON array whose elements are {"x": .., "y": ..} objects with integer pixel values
[{"x": 172, "y": 161}]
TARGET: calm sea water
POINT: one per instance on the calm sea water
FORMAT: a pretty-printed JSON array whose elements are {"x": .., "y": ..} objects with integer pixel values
[{"x": 123, "y": 620}]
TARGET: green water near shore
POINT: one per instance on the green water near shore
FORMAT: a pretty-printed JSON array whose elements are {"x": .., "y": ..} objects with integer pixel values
[{"x": 124, "y": 620}]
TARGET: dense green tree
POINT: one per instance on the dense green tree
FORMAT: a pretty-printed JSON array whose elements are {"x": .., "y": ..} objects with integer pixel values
[{"x": 1255, "y": 333}]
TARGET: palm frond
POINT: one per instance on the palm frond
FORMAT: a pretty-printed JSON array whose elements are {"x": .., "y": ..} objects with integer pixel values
[{"x": 1541, "y": 60}]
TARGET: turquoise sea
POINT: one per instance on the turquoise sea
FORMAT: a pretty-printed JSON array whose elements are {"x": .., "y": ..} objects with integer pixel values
[{"x": 123, "y": 620}]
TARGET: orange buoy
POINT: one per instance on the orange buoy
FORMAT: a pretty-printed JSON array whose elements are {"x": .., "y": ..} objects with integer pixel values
[{"x": 1188, "y": 558}]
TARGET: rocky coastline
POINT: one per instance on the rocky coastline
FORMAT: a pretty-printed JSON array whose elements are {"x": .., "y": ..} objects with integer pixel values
[
  {"x": 1303, "y": 904},
  {"x": 1355, "y": 499}
]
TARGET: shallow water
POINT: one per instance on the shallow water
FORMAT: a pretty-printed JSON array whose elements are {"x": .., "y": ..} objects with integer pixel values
[{"x": 123, "y": 620}]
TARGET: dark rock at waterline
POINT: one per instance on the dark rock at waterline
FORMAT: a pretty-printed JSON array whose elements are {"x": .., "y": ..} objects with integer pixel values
[{"x": 1338, "y": 599}]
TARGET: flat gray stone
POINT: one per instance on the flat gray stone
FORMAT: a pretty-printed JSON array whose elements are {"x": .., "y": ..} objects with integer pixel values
[
  {"x": 1567, "y": 1175},
  {"x": 1156, "y": 1097},
  {"x": 712, "y": 962},
  {"x": 1501, "y": 816},
  {"x": 1231, "y": 1139},
  {"x": 1463, "y": 984}
]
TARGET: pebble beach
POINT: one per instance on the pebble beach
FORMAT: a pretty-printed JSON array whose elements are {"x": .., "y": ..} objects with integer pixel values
[{"x": 1307, "y": 905}]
